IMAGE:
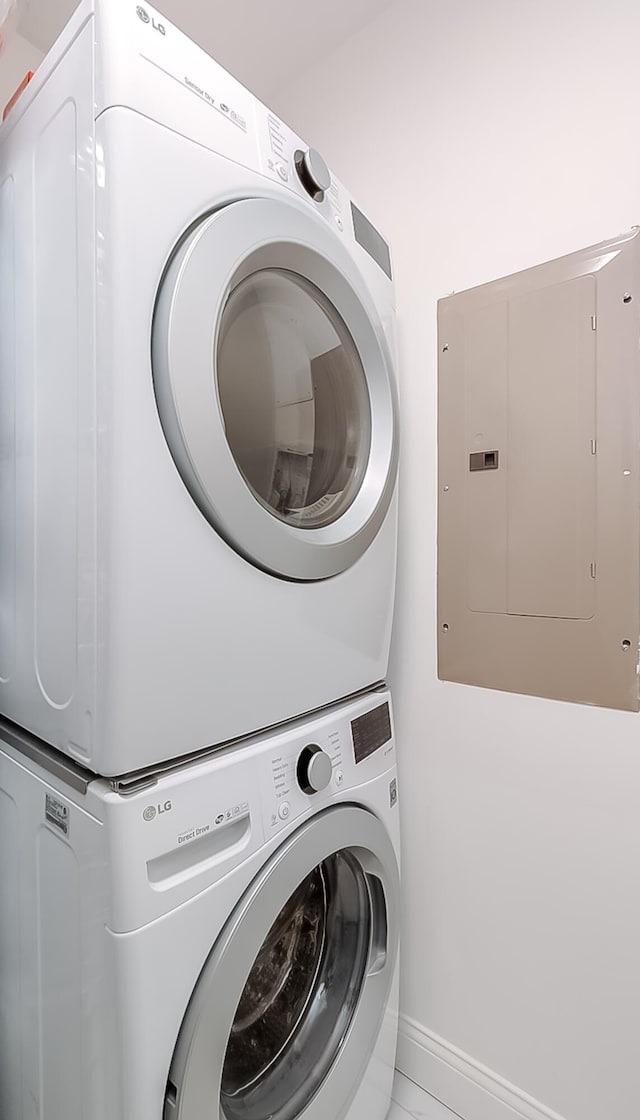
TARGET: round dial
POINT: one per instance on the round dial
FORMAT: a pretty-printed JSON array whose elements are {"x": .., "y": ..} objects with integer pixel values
[
  {"x": 313, "y": 173},
  {"x": 314, "y": 769}
]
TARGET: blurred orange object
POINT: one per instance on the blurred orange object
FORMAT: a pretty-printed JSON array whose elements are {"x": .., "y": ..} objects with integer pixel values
[{"x": 21, "y": 88}]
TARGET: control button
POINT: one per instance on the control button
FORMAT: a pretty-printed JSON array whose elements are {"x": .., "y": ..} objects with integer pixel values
[
  {"x": 284, "y": 811},
  {"x": 339, "y": 777},
  {"x": 314, "y": 769},
  {"x": 313, "y": 173},
  {"x": 283, "y": 172}
]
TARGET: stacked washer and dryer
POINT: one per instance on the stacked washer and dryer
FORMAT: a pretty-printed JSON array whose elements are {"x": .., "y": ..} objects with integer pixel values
[{"x": 198, "y": 427}]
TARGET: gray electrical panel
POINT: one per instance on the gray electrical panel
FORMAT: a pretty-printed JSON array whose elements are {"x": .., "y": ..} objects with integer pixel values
[{"x": 539, "y": 472}]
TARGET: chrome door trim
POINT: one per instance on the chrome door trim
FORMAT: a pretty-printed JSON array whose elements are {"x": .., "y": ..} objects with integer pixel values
[{"x": 236, "y": 241}]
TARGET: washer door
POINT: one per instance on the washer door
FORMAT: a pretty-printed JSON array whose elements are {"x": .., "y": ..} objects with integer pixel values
[
  {"x": 288, "y": 1007},
  {"x": 275, "y": 390}
]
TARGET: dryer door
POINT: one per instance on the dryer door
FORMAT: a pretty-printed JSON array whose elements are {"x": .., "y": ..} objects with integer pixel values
[
  {"x": 275, "y": 389},
  {"x": 288, "y": 1008}
]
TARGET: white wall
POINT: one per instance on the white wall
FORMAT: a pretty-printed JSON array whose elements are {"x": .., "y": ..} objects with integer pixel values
[
  {"x": 484, "y": 138},
  {"x": 18, "y": 57}
]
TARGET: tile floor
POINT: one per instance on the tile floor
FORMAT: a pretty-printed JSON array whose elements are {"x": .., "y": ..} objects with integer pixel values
[{"x": 412, "y": 1103}]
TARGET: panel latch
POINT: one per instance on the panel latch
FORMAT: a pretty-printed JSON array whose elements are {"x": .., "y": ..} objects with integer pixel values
[{"x": 484, "y": 460}]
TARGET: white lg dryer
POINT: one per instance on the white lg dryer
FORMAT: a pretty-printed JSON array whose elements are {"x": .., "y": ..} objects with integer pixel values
[
  {"x": 198, "y": 422},
  {"x": 220, "y": 943}
]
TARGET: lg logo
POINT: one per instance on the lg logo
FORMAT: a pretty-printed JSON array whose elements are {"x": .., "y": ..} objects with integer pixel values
[
  {"x": 146, "y": 18},
  {"x": 152, "y": 811}
]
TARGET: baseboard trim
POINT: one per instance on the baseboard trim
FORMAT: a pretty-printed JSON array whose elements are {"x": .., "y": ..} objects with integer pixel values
[{"x": 459, "y": 1082}]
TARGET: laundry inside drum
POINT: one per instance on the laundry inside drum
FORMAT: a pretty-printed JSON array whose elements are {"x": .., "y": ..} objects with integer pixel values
[{"x": 300, "y": 995}]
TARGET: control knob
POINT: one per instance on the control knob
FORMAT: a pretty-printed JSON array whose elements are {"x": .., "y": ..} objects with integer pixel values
[
  {"x": 314, "y": 769},
  {"x": 313, "y": 173}
]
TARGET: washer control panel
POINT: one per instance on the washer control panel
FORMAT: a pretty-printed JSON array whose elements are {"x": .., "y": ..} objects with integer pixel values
[
  {"x": 321, "y": 760},
  {"x": 304, "y": 776}
]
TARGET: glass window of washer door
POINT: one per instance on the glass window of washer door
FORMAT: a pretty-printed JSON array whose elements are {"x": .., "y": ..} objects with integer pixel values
[
  {"x": 294, "y": 398},
  {"x": 300, "y": 996}
]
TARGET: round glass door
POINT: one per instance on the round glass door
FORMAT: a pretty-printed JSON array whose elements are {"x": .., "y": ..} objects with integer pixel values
[
  {"x": 300, "y": 997},
  {"x": 275, "y": 388},
  {"x": 294, "y": 398}
]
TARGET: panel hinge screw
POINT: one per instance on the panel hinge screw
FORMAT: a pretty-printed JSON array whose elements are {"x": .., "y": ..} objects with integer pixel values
[
  {"x": 445, "y": 347},
  {"x": 445, "y": 627},
  {"x": 627, "y": 297}
]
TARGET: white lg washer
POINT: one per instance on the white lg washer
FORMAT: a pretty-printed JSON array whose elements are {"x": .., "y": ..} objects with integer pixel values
[
  {"x": 198, "y": 421},
  {"x": 219, "y": 943}
]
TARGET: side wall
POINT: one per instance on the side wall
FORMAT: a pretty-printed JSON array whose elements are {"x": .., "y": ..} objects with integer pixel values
[{"x": 484, "y": 139}]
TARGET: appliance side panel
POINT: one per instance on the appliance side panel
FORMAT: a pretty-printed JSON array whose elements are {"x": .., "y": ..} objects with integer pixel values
[
  {"x": 11, "y": 991},
  {"x": 78, "y": 1072},
  {"x": 47, "y": 431},
  {"x": 60, "y": 949},
  {"x": 7, "y": 427},
  {"x": 57, "y": 1037},
  {"x": 56, "y": 375}
]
